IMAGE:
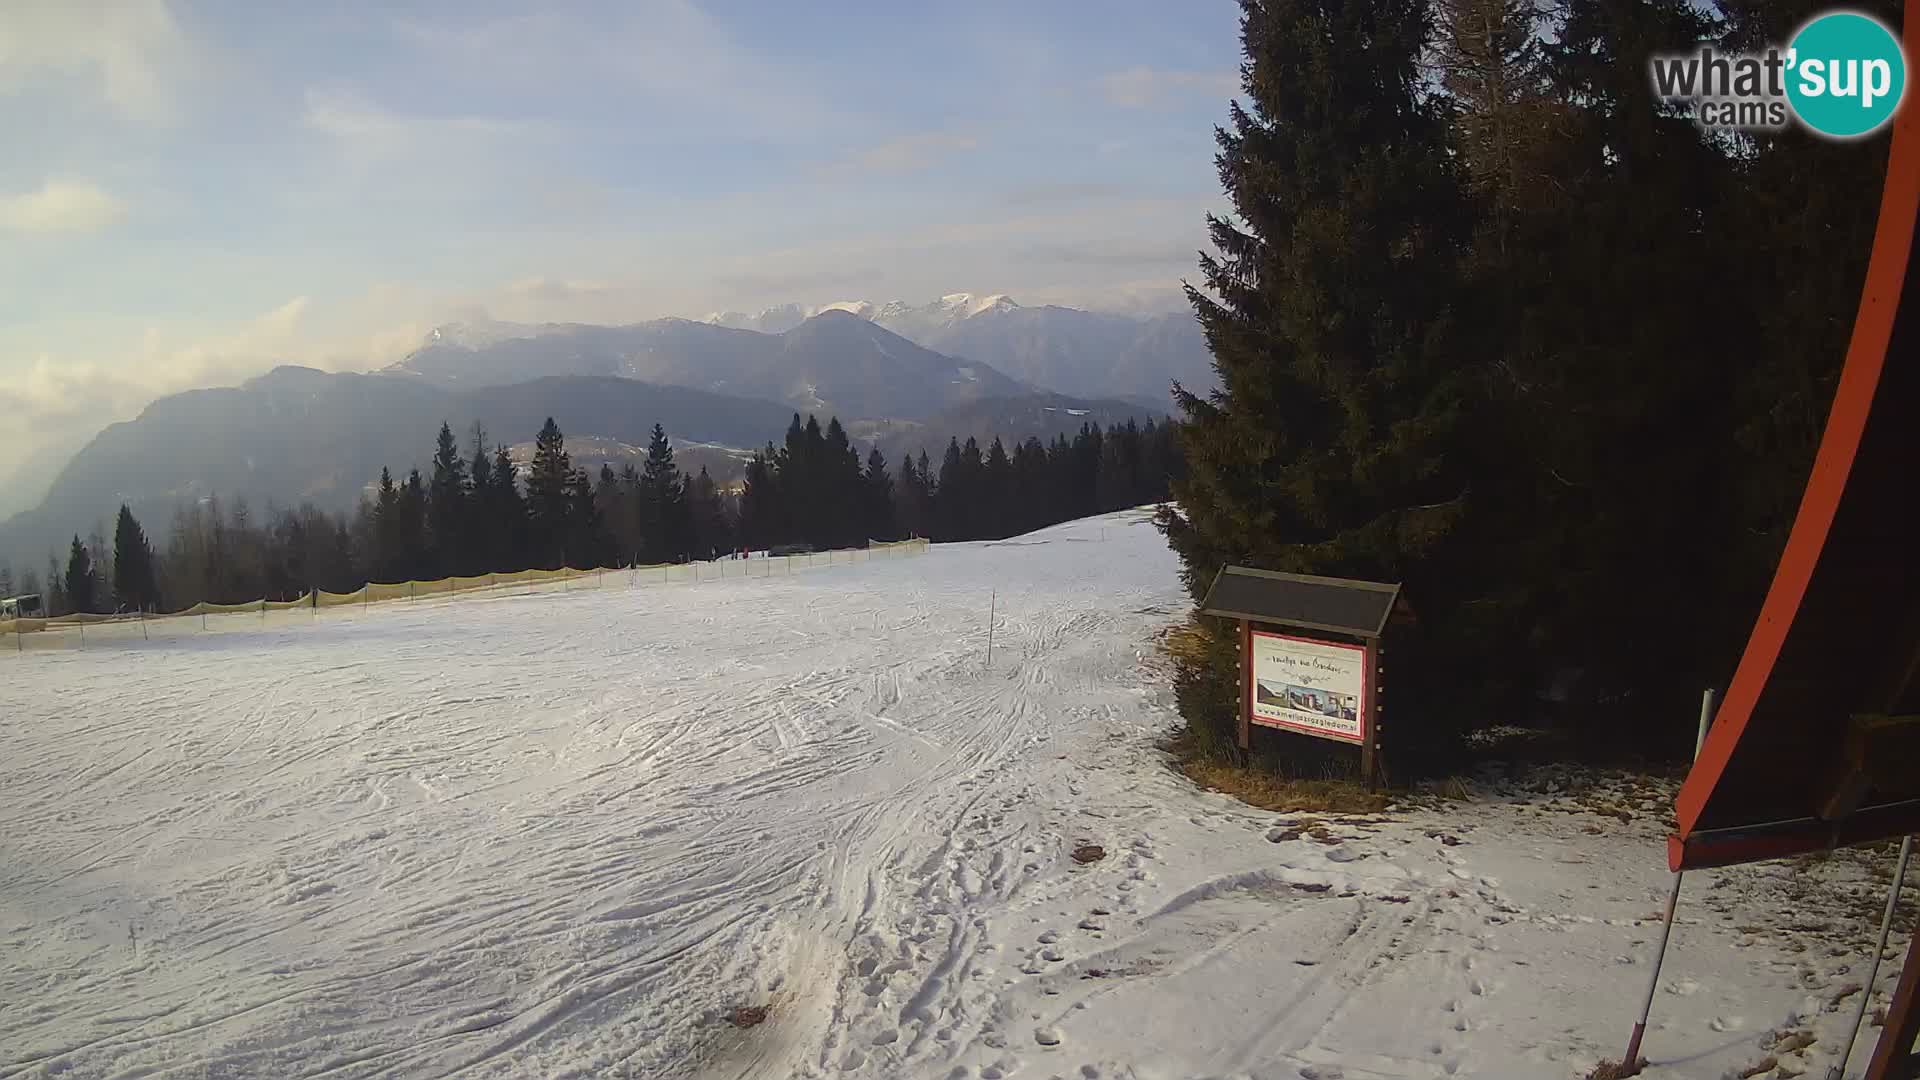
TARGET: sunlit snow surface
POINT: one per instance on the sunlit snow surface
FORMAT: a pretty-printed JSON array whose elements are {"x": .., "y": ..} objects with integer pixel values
[{"x": 565, "y": 835}]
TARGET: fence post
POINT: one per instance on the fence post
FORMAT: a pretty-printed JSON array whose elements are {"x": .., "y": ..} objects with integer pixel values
[
  {"x": 143, "y": 625},
  {"x": 263, "y": 609}
]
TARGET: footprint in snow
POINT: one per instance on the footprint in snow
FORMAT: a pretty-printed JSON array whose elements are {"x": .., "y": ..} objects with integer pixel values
[{"x": 1046, "y": 1036}]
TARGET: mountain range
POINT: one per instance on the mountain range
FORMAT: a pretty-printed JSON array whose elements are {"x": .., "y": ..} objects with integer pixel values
[
  {"x": 1068, "y": 350},
  {"x": 299, "y": 434},
  {"x": 833, "y": 362}
]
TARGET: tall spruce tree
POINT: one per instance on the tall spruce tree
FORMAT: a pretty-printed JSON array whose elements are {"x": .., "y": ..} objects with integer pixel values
[
  {"x": 476, "y": 556},
  {"x": 413, "y": 527},
  {"x": 446, "y": 506},
  {"x": 586, "y": 545},
  {"x": 134, "y": 584},
  {"x": 547, "y": 497},
  {"x": 56, "y": 586},
  {"x": 1326, "y": 448},
  {"x": 506, "y": 529},
  {"x": 708, "y": 527},
  {"x": 80, "y": 592},
  {"x": 663, "y": 502},
  {"x": 762, "y": 506},
  {"x": 388, "y": 538}
]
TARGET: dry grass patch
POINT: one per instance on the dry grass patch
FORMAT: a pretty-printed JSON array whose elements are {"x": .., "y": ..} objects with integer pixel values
[
  {"x": 1272, "y": 792},
  {"x": 1615, "y": 1070},
  {"x": 746, "y": 1016}
]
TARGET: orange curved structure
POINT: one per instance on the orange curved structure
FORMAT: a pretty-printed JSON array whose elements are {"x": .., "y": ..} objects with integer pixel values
[{"x": 1838, "y": 638}]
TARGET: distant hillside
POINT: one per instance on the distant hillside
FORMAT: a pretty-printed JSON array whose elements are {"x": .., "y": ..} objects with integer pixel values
[
  {"x": 835, "y": 362},
  {"x": 298, "y": 434},
  {"x": 1012, "y": 419},
  {"x": 1089, "y": 353}
]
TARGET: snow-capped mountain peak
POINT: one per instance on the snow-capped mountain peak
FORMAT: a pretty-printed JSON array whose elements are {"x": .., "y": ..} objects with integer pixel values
[
  {"x": 478, "y": 334},
  {"x": 967, "y": 305}
]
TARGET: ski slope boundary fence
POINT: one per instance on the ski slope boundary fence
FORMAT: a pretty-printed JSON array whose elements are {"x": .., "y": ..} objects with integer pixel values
[{"x": 71, "y": 630}]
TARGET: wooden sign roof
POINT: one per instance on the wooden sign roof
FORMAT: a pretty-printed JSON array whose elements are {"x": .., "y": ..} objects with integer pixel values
[{"x": 1334, "y": 605}]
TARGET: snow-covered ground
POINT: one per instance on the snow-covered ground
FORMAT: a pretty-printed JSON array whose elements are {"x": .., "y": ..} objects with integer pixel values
[{"x": 567, "y": 835}]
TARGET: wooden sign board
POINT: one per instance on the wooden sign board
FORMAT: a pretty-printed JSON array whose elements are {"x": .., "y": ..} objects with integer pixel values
[
  {"x": 1311, "y": 686},
  {"x": 1310, "y": 654}
]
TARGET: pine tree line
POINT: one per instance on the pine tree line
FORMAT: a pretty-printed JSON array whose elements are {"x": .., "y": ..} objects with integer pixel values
[
  {"x": 813, "y": 490},
  {"x": 1493, "y": 322},
  {"x": 474, "y": 513}
]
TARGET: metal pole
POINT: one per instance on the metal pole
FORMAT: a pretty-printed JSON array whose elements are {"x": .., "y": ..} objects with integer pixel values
[
  {"x": 143, "y": 625},
  {"x": 1873, "y": 970},
  {"x": 1631, "y": 1065},
  {"x": 992, "y": 599}
]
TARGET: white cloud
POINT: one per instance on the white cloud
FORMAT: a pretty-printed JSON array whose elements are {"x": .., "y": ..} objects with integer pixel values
[
  {"x": 130, "y": 53},
  {"x": 1145, "y": 87},
  {"x": 60, "y": 206},
  {"x": 368, "y": 131},
  {"x": 55, "y": 402},
  {"x": 905, "y": 153}
]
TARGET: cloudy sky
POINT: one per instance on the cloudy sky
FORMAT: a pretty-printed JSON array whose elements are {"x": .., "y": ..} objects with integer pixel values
[{"x": 192, "y": 193}]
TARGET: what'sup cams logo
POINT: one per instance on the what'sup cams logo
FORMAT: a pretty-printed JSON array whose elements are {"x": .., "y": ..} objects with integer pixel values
[{"x": 1842, "y": 76}]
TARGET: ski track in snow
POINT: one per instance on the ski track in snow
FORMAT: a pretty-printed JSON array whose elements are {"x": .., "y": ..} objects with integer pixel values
[{"x": 564, "y": 835}]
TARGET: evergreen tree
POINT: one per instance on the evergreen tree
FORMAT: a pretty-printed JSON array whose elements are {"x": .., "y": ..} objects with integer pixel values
[
  {"x": 586, "y": 545},
  {"x": 877, "y": 498},
  {"x": 949, "y": 509},
  {"x": 1325, "y": 450},
  {"x": 912, "y": 500},
  {"x": 547, "y": 497},
  {"x": 447, "y": 518},
  {"x": 388, "y": 531},
  {"x": 6, "y": 579},
  {"x": 56, "y": 587},
  {"x": 413, "y": 528},
  {"x": 134, "y": 585},
  {"x": 997, "y": 507},
  {"x": 707, "y": 517},
  {"x": 80, "y": 594},
  {"x": 844, "y": 519},
  {"x": 762, "y": 506},
  {"x": 506, "y": 530},
  {"x": 475, "y": 547},
  {"x": 663, "y": 507}
]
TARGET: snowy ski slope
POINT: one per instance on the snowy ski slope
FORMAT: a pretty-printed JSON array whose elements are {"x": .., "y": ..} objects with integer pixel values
[{"x": 565, "y": 835}]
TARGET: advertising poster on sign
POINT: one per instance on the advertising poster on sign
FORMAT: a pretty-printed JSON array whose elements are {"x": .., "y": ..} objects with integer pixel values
[{"x": 1313, "y": 687}]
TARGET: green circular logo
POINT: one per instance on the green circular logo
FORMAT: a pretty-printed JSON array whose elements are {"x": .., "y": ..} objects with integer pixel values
[{"x": 1846, "y": 74}]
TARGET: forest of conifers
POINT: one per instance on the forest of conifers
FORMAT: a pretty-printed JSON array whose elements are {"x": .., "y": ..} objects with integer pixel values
[
  {"x": 477, "y": 511},
  {"x": 1494, "y": 322}
]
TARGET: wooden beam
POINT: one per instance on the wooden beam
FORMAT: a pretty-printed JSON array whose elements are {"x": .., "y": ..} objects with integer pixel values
[
  {"x": 1780, "y": 840},
  {"x": 1893, "y": 1055}
]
